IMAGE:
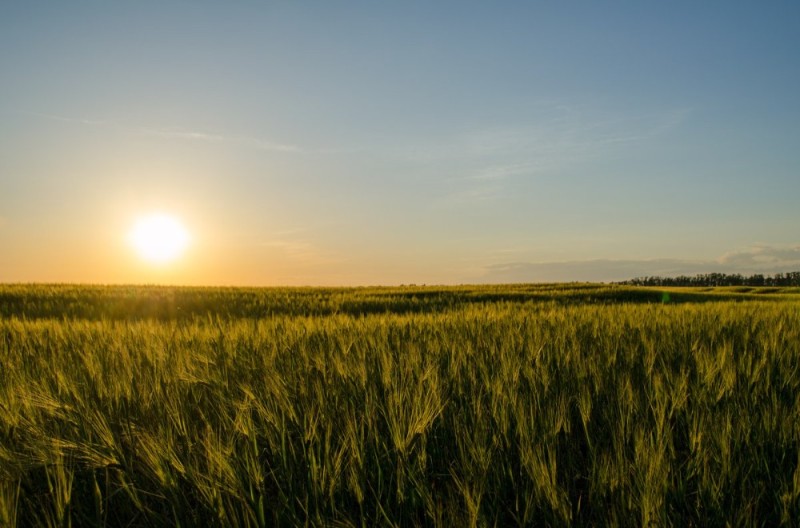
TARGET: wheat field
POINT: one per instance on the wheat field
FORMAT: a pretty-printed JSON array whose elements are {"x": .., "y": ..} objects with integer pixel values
[{"x": 518, "y": 405}]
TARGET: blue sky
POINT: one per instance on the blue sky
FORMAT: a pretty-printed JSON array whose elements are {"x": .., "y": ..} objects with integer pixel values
[{"x": 377, "y": 143}]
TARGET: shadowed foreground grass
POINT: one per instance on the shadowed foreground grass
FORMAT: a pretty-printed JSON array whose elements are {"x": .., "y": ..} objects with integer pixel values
[{"x": 500, "y": 406}]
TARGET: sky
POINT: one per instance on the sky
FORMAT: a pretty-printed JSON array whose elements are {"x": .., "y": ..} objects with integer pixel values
[{"x": 366, "y": 143}]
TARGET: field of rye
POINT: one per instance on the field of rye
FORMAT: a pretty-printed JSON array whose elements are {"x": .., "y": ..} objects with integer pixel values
[{"x": 519, "y": 405}]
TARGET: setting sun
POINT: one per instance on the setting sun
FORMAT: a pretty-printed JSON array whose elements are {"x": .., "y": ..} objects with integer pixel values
[{"x": 158, "y": 238}]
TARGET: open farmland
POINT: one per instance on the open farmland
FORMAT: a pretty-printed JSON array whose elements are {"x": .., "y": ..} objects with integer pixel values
[{"x": 517, "y": 405}]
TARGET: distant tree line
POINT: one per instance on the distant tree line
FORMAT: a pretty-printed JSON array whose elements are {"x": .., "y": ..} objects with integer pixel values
[{"x": 791, "y": 278}]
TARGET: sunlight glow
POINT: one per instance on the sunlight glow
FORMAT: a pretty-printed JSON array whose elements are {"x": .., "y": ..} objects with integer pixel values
[{"x": 158, "y": 238}]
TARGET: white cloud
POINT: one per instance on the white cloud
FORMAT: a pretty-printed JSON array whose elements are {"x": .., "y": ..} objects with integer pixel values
[{"x": 760, "y": 258}]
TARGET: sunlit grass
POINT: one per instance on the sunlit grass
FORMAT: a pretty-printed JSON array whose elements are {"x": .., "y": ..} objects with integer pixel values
[{"x": 504, "y": 406}]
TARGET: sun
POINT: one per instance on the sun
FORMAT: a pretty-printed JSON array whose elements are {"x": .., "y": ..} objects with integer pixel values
[{"x": 158, "y": 238}]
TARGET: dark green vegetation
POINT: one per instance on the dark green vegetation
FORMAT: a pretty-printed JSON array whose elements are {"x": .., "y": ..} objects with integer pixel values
[
  {"x": 791, "y": 278},
  {"x": 512, "y": 405},
  {"x": 168, "y": 303}
]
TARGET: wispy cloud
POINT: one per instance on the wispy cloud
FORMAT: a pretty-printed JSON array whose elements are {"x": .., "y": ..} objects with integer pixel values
[
  {"x": 759, "y": 259},
  {"x": 575, "y": 140},
  {"x": 473, "y": 195},
  {"x": 562, "y": 133},
  {"x": 253, "y": 142},
  {"x": 297, "y": 245},
  {"x": 560, "y": 139},
  {"x": 503, "y": 171},
  {"x": 65, "y": 119},
  {"x": 295, "y": 249},
  {"x": 181, "y": 134}
]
